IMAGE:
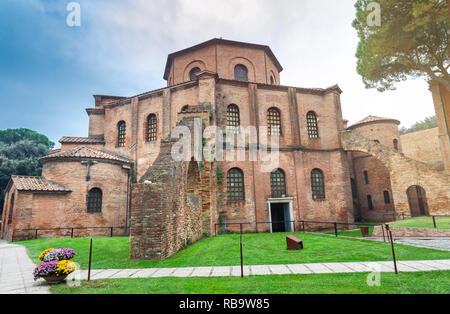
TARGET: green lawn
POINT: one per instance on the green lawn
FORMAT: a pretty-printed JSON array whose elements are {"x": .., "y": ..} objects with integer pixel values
[
  {"x": 223, "y": 250},
  {"x": 403, "y": 283},
  {"x": 423, "y": 222}
]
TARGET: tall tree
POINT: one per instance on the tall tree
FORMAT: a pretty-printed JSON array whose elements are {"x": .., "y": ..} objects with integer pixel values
[
  {"x": 410, "y": 40},
  {"x": 19, "y": 153}
]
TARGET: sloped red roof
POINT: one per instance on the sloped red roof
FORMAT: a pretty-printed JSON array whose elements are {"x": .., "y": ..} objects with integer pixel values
[
  {"x": 85, "y": 153},
  {"x": 40, "y": 184},
  {"x": 81, "y": 140},
  {"x": 371, "y": 119}
]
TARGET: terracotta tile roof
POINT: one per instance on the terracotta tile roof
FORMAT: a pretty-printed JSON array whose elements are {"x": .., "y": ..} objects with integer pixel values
[
  {"x": 370, "y": 119},
  {"x": 82, "y": 140},
  {"x": 41, "y": 184},
  {"x": 83, "y": 152}
]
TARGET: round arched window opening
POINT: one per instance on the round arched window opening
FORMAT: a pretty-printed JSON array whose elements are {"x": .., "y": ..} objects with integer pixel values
[
  {"x": 193, "y": 72},
  {"x": 241, "y": 73}
]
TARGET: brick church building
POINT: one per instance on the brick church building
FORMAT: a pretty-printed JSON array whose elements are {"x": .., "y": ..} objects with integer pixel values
[{"x": 118, "y": 174}]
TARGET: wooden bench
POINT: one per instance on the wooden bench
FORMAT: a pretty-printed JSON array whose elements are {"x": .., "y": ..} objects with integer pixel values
[{"x": 293, "y": 243}]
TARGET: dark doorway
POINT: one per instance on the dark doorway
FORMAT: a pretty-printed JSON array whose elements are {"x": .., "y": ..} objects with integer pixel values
[
  {"x": 280, "y": 217},
  {"x": 417, "y": 200}
]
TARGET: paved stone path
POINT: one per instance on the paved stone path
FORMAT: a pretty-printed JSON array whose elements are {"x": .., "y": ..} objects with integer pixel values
[
  {"x": 442, "y": 244},
  {"x": 316, "y": 268},
  {"x": 16, "y": 271}
]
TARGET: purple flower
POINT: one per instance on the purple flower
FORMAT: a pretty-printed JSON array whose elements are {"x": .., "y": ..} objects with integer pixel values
[
  {"x": 45, "y": 269},
  {"x": 59, "y": 255}
]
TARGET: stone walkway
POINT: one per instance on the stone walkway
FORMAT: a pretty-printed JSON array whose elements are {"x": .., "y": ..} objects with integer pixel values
[
  {"x": 16, "y": 271},
  {"x": 222, "y": 271},
  {"x": 442, "y": 244}
]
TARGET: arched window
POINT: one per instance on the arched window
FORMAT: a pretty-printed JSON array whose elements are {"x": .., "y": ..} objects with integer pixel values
[
  {"x": 151, "y": 134},
  {"x": 274, "y": 121},
  {"x": 235, "y": 185},
  {"x": 192, "y": 73},
  {"x": 94, "y": 201},
  {"x": 240, "y": 73},
  {"x": 395, "y": 141},
  {"x": 369, "y": 202},
  {"x": 387, "y": 197},
  {"x": 121, "y": 133},
  {"x": 11, "y": 209},
  {"x": 312, "y": 125},
  {"x": 366, "y": 177},
  {"x": 317, "y": 184},
  {"x": 278, "y": 183},
  {"x": 233, "y": 119}
]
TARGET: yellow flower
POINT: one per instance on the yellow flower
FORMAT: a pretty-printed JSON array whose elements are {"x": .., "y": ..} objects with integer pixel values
[
  {"x": 41, "y": 256},
  {"x": 65, "y": 267}
]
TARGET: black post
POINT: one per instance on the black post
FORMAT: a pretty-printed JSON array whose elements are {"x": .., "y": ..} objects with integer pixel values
[
  {"x": 71, "y": 235},
  {"x": 111, "y": 232},
  {"x": 242, "y": 257},
  {"x": 90, "y": 259},
  {"x": 434, "y": 222},
  {"x": 393, "y": 250},
  {"x": 335, "y": 229},
  {"x": 35, "y": 234}
]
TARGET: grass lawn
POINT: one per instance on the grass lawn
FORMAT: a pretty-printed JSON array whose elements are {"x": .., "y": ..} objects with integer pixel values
[
  {"x": 403, "y": 283},
  {"x": 423, "y": 222},
  {"x": 259, "y": 249}
]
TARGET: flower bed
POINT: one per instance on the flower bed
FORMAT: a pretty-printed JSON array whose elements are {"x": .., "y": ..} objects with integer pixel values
[{"x": 57, "y": 265}]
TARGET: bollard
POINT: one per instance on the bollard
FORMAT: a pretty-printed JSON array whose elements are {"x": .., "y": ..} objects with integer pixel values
[
  {"x": 90, "y": 259},
  {"x": 335, "y": 229},
  {"x": 434, "y": 222},
  {"x": 393, "y": 250},
  {"x": 242, "y": 256}
]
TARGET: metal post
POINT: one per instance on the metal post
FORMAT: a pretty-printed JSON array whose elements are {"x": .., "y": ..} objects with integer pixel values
[
  {"x": 335, "y": 229},
  {"x": 111, "y": 232},
  {"x": 90, "y": 259},
  {"x": 434, "y": 222},
  {"x": 35, "y": 234},
  {"x": 393, "y": 250},
  {"x": 242, "y": 257},
  {"x": 71, "y": 235}
]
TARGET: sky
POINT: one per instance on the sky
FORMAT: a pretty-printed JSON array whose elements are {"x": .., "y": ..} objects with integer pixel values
[{"x": 49, "y": 71}]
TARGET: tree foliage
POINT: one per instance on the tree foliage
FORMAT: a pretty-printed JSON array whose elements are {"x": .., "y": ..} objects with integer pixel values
[
  {"x": 412, "y": 41},
  {"x": 19, "y": 153},
  {"x": 11, "y": 136},
  {"x": 427, "y": 123}
]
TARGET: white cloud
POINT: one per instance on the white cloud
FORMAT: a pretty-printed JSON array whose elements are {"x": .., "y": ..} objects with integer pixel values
[{"x": 313, "y": 39}]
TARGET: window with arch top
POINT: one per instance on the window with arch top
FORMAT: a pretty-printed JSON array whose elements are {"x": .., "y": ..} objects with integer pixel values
[
  {"x": 235, "y": 185},
  {"x": 233, "y": 119},
  {"x": 395, "y": 142},
  {"x": 121, "y": 133},
  {"x": 278, "y": 183},
  {"x": 317, "y": 184},
  {"x": 151, "y": 134},
  {"x": 11, "y": 209},
  {"x": 94, "y": 201},
  {"x": 241, "y": 73},
  {"x": 274, "y": 121},
  {"x": 193, "y": 72},
  {"x": 312, "y": 125}
]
